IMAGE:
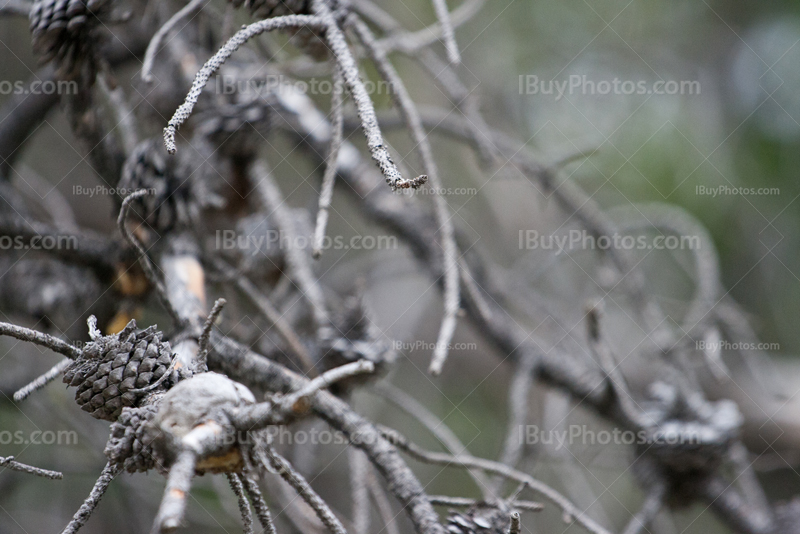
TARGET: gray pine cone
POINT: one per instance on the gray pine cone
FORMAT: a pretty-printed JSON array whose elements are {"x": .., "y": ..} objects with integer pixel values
[
  {"x": 274, "y": 8},
  {"x": 62, "y": 29},
  {"x": 113, "y": 371},
  {"x": 129, "y": 445},
  {"x": 479, "y": 520},
  {"x": 171, "y": 199},
  {"x": 238, "y": 128},
  {"x": 354, "y": 337}
]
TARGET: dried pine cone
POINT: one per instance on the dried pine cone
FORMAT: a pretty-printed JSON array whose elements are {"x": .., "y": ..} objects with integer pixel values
[
  {"x": 354, "y": 337},
  {"x": 129, "y": 444},
  {"x": 274, "y": 8},
  {"x": 171, "y": 199},
  {"x": 118, "y": 371},
  {"x": 479, "y": 520},
  {"x": 231, "y": 126},
  {"x": 63, "y": 29}
]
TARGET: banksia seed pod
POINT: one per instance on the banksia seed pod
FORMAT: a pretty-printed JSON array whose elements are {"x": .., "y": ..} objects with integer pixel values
[
  {"x": 118, "y": 371},
  {"x": 129, "y": 445},
  {"x": 479, "y": 520},
  {"x": 62, "y": 29}
]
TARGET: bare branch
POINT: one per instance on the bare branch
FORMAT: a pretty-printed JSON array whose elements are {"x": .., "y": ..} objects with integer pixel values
[
  {"x": 499, "y": 469},
  {"x": 155, "y": 42},
  {"x": 40, "y": 338},
  {"x": 144, "y": 259},
  {"x": 262, "y": 510},
  {"x": 244, "y": 506},
  {"x": 366, "y": 111},
  {"x": 212, "y": 65},
  {"x": 329, "y": 177},
  {"x": 91, "y": 502},
  {"x": 9, "y": 463},
  {"x": 448, "y": 35},
  {"x": 652, "y": 505},
  {"x": 450, "y": 251},
  {"x": 304, "y": 489},
  {"x": 209, "y": 324},
  {"x": 43, "y": 380}
]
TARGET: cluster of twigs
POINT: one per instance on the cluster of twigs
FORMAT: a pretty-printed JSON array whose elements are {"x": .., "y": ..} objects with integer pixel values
[{"x": 187, "y": 421}]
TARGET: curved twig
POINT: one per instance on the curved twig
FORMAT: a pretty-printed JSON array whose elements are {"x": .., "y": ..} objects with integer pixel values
[
  {"x": 152, "y": 48},
  {"x": 212, "y": 65},
  {"x": 410, "y": 114}
]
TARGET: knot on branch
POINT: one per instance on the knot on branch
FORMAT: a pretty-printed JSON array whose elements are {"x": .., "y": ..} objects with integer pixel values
[
  {"x": 120, "y": 370},
  {"x": 198, "y": 407}
]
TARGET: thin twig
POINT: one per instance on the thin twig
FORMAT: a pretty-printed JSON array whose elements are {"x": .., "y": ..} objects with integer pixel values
[
  {"x": 87, "y": 508},
  {"x": 179, "y": 481},
  {"x": 516, "y": 524},
  {"x": 435, "y": 425},
  {"x": 499, "y": 469},
  {"x": 304, "y": 489},
  {"x": 40, "y": 338},
  {"x": 518, "y": 395},
  {"x": 649, "y": 510},
  {"x": 366, "y": 111},
  {"x": 328, "y": 378},
  {"x": 144, "y": 259},
  {"x": 359, "y": 467},
  {"x": 42, "y": 381},
  {"x": 244, "y": 506},
  {"x": 301, "y": 271},
  {"x": 153, "y": 47},
  {"x": 202, "y": 343},
  {"x": 329, "y": 177},
  {"x": 410, "y": 114},
  {"x": 463, "y": 502},
  {"x": 10, "y": 463},
  {"x": 448, "y": 35},
  {"x": 212, "y": 65},
  {"x": 388, "y": 516},
  {"x": 272, "y": 315},
  {"x": 260, "y": 505}
]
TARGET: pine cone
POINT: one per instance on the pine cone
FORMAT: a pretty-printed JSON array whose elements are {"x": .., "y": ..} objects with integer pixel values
[
  {"x": 230, "y": 126},
  {"x": 129, "y": 444},
  {"x": 354, "y": 337},
  {"x": 113, "y": 371},
  {"x": 63, "y": 29},
  {"x": 479, "y": 520},
  {"x": 274, "y": 8},
  {"x": 171, "y": 199}
]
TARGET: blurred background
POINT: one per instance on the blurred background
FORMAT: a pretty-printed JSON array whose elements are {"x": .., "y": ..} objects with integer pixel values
[{"x": 724, "y": 145}]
